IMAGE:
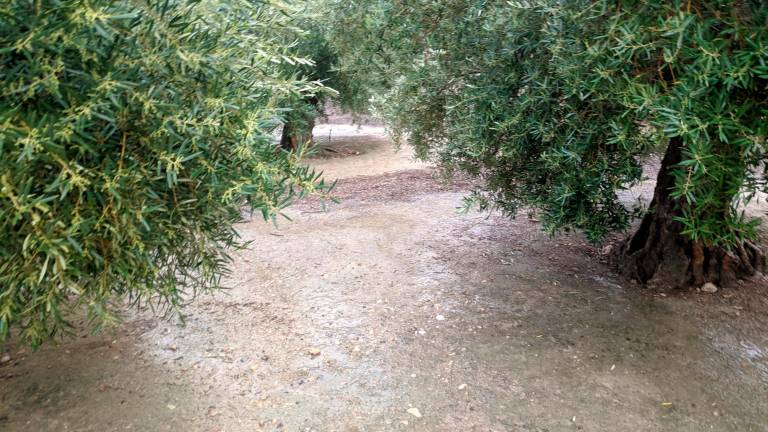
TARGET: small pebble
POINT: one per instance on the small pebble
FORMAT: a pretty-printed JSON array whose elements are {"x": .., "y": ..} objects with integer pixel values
[{"x": 414, "y": 412}]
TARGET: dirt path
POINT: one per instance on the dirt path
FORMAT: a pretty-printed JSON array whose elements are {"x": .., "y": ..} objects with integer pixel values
[{"x": 345, "y": 320}]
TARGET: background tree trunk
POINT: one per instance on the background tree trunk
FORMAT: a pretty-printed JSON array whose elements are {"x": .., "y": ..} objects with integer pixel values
[
  {"x": 299, "y": 132},
  {"x": 658, "y": 250},
  {"x": 294, "y": 135}
]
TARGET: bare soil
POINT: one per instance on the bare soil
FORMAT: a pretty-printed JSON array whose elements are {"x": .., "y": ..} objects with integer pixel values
[{"x": 391, "y": 311}]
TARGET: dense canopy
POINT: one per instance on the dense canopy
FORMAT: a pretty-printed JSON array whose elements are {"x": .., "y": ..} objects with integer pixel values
[
  {"x": 555, "y": 104},
  {"x": 133, "y": 133}
]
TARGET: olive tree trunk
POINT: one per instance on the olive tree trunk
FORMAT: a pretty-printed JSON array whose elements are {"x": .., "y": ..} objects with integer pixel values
[
  {"x": 658, "y": 250},
  {"x": 297, "y": 134},
  {"x": 298, "y": 131}
]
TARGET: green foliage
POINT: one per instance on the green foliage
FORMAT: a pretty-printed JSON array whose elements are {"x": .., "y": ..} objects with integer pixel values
[
  {"x": 554, "y": 103},
  {"x": 361, "y": 34},
  {"x": 132, "y": 135}
]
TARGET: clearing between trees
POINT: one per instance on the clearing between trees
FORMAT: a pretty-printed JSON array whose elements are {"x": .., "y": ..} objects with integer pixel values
[{"x": 391, "y": 311}]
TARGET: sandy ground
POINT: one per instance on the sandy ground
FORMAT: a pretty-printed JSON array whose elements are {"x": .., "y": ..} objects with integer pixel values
[
  {"x": 393, "y": 312},
  {"x": 345, "y": 151}
]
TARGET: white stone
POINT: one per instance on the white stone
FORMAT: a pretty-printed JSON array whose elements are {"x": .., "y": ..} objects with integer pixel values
[{"x": 414, "y": 412}]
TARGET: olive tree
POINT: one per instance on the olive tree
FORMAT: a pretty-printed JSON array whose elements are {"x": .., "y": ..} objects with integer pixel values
[
  {"x": 555, "y": 104},
  {"x": 309, "y": 37},
  {"x": 305, "y": 38},
  {"x": 132, "y": 134}
]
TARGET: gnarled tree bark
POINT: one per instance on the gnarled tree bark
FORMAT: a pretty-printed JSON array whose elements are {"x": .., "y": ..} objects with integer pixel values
[{"x": 659, "y": 251}]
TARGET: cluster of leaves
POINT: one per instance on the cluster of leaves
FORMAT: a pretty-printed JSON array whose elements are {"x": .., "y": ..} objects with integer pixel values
[
  {"x": 132, "y": 134},
  {"x": 554, "y": 103}
]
